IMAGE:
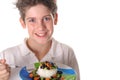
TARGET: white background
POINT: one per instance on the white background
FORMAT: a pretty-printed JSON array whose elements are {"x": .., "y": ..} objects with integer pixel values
[{"x": 90, "y": 27}]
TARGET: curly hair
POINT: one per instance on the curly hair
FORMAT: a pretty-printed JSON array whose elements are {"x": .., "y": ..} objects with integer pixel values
[{"x": 23, "y": 5}]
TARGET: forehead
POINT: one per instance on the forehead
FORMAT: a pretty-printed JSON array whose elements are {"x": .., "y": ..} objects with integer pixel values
[{"x": 37, "y": 11}]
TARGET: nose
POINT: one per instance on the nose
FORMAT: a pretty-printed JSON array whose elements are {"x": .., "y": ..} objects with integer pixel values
[{"x": 41, "y": 25}]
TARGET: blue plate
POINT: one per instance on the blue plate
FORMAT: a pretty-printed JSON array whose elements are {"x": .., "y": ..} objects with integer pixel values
[{"x": 24, "y": 74}]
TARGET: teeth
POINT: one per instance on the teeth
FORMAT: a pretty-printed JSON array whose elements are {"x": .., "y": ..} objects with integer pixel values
[{"x": 41, "y": 34}]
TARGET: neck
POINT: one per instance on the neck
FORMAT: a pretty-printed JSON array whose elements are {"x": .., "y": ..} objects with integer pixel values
[{"x": 40, "y": 50}]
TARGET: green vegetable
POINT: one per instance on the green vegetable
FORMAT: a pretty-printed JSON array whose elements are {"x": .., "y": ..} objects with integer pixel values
[
  {"x": 69, "y": 77},
  {"x": 37, "y": 64}
]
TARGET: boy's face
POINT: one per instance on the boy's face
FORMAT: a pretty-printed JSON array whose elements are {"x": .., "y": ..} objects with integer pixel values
[{"x": 39, "y": 21}]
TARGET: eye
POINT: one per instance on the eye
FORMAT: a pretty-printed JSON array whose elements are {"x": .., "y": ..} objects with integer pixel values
[
  {"x": 31, "y": 20},
  {"x": 46, "y": 18}
]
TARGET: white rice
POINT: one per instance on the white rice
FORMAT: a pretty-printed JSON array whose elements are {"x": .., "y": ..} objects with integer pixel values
[{"x": 46, "y": 73}]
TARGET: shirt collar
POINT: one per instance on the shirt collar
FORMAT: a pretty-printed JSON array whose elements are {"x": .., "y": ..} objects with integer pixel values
[{"x": 25, "y": 50}]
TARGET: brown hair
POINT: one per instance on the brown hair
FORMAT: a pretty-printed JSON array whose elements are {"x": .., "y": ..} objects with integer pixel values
[{"x": 23, "y": 5}]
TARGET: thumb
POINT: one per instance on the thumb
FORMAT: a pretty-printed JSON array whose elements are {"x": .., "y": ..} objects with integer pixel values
[{"x": 2, "y": 61}]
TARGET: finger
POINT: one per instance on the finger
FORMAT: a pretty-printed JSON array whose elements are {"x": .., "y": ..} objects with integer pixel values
[
  {"x": 8, "y": 68},
  {"x": 5, "y": 76},
  {"x": 2, "y": 67},
  {"x": 5, "y": 73}
]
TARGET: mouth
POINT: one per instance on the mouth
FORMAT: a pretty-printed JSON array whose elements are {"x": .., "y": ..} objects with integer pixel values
[{"x": 41, "y": 34}]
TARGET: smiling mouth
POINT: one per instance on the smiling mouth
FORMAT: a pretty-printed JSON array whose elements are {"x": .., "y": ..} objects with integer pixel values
[{"x": 41, "y": 34}]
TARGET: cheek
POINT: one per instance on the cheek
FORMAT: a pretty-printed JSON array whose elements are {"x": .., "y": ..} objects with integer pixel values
[
  {"x": 30, "y": 29},
  {"x": 50, "y": 27},
  {"x": 30, "y": 26}
]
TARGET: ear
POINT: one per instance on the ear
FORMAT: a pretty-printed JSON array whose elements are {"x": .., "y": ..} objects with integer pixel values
[
  {"x": 55, "y": 19},
  {"x": 22, "y": 23}
]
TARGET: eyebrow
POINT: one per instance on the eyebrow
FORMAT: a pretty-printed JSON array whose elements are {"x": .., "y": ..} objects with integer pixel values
[{"x": 42, "y": 17}]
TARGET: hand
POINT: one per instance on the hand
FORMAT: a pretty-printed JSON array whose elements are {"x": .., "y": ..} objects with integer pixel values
[{"x": 4, "y": 70}]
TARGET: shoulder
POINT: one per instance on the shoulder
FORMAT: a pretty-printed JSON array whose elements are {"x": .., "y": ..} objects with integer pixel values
[
  {"x": 9, "y": 52},
  {"x": 14, "y": 49},
  {"x": 62, "y": 46},
  {"x": 11, "y": 49},
  {"x": 17, "y": 48}
]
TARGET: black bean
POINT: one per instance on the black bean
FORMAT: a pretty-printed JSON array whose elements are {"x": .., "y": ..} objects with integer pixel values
[{"x": 59, "y": 72}]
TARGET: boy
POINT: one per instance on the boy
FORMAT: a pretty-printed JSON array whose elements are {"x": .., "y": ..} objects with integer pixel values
[{"x": 39, "y": 17}]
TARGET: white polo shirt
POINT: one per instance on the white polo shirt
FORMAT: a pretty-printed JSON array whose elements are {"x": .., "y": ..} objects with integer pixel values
[{"x": 21, "y": 55}]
